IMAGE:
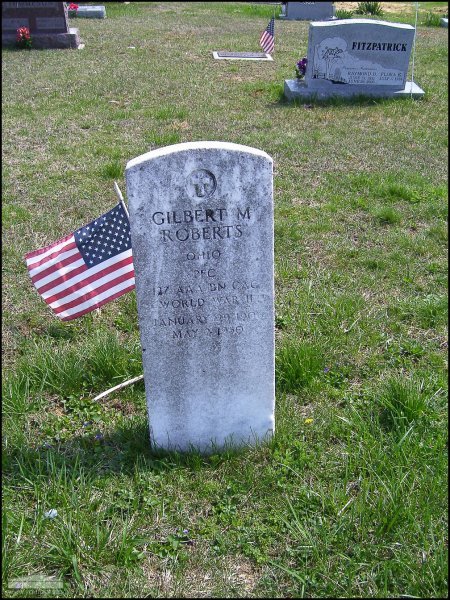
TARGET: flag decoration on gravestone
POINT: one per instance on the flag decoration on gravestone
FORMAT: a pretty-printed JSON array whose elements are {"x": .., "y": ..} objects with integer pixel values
[
  {"x": 87, "y": 268},
  {"x": 267, "y": 40}
]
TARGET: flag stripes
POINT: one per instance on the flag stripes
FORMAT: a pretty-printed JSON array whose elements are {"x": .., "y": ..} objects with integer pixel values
[
  {"x": 267, "y": 40},
  {"x": 86, "y": 269}
]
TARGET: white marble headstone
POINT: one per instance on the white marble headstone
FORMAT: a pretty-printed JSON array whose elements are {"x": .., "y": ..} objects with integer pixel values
[{"x": 201, "y": 218}]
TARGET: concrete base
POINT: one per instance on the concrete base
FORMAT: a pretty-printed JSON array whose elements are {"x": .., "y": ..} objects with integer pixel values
[
  {"x": 294, "y": 89},
  {"x": 91, "y": 12},
  {"x": 48, "y": 40}
]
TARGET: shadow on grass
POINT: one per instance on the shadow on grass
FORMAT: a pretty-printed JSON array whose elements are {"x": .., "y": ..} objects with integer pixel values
[
  {"x": 121, "y": 451},
  {"x": 281, "y": 101}
]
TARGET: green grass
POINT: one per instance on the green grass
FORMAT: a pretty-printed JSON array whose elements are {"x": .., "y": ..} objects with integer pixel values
[{"x": 349, "y": 499}]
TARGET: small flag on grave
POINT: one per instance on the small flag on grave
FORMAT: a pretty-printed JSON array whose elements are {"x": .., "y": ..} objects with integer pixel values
[
  {"x": 87, "y": 268},
  {"x": 267, "y": 40}
]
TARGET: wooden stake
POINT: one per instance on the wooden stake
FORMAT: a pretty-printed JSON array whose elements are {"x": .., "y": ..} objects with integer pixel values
[
  {"x": 119, "y": 387},
  {"x": 119, "y": 195}
]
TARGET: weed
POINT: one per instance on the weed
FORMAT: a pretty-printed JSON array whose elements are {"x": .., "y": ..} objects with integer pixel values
[
  {"x": 370, "y": 8},
  {"x": 297, "y": 364},
  {"x": 113, "y": 170},
  {"x": 344, "y": 14},
  {"x": 386, "y": 215},
  {"x": 431, "y": 20},
  {"x": 402, "y": 403}
]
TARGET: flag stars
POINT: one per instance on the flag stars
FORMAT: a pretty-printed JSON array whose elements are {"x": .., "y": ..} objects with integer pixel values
[{"x": 105, "y": 238}]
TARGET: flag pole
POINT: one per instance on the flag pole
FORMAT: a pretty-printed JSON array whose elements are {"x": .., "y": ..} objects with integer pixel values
[
  {"x": 273, "y": 29},
  {"x": 414, "y": 47},
  {"x": 119, "y": 195}
]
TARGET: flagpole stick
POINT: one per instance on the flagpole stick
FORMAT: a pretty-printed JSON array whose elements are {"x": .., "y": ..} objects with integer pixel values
[
  {"x": 118, "y": 387},
  {"x": 273, "y": 16},
  {"x": 119, "y": 195},
  {"x": 414, "y": 47}
]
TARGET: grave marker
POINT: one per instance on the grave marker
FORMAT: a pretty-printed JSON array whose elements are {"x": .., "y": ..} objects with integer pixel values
[
  {"x": 201, "y": 219},
  {"x": 309, "y": 11},
  {"x": 221, "y": 55},
  {"x": 351, "y": 57},
  {"x": 47, "y": 21},
  {"x": 91, "y": 12}
]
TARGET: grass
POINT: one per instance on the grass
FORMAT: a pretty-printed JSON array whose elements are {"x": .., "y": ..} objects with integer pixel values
[{"x": 349, "y": 499}]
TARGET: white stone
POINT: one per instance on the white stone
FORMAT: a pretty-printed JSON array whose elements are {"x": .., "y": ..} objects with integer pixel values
[
  {"x": 91, "y": 12},
  {"x": 201, "y": 218},
  {"x": 351, "y": 57},
  {"x": 219, "y": 55},
  {"x": 444, "y": 22}
]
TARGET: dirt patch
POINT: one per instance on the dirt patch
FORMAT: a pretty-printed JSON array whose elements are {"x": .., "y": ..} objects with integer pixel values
[
  {"x": 389, "y": 7},
  {"x": 236, "y": 573},
  {"x": 396, "y": 7}
]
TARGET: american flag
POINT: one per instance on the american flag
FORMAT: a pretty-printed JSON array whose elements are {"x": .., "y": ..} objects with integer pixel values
[
  {"x": 267, "y": 40},
  {"x": 86, "y": 269}
]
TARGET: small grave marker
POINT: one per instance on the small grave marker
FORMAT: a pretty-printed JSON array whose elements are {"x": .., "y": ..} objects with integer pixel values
[
  {"x": 91, "y": 12},
  {"x": 201, "y": 218},
  {"x": 221, "y": 55}
]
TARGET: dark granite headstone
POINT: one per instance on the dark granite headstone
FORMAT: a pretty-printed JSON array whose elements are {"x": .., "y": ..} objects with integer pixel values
[{"x": 47, "y": 21}]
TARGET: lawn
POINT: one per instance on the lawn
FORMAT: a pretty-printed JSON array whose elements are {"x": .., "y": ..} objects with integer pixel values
[{"x": 349, "y": 498}]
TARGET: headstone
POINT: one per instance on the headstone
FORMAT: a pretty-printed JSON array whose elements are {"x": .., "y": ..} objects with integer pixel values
[
  {"x": 47, "y": 21},
  {"x": 351, "y": 57},
  {"x": 309, "y": 11},
  {"x": 201, "y": 218},
  {"x": 444, "y": 22},
  {"x": 91, "y": 12},
  {"x": 220, "y": 55}
]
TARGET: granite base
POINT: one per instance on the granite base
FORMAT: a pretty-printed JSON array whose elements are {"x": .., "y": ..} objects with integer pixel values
[{"x": 294, "y": 89}]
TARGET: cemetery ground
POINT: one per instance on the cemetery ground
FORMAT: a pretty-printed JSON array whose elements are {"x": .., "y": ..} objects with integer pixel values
[{"x": 350, "y": 496}]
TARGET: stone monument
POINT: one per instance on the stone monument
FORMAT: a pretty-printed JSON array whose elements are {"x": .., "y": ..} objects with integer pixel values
[
  {"x": 308, "y": 11},
  {"x": 351, "y": 57},
  {"x": 47, "y": 22},
  {"x": 201, "y": 218},
  {"x": 91, "y": 12}
]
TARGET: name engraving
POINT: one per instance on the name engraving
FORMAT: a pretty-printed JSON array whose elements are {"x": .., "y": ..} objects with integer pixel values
[
  {"x": 220, "y": 231},
  {"x": 189, "y": 310},
  {"x": 380, "y": 46}
]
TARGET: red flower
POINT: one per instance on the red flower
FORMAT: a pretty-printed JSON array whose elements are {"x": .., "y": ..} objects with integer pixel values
[
  {"x": 23, "y": 33},
  {"x": 73, "y": 6}
]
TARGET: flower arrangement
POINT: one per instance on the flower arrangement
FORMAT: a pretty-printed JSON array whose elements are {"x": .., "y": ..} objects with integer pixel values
[
  {"x": 300, "y": 68},
  {"x": 23, "y": 37},
  {"x": 72, "y": 9}
]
